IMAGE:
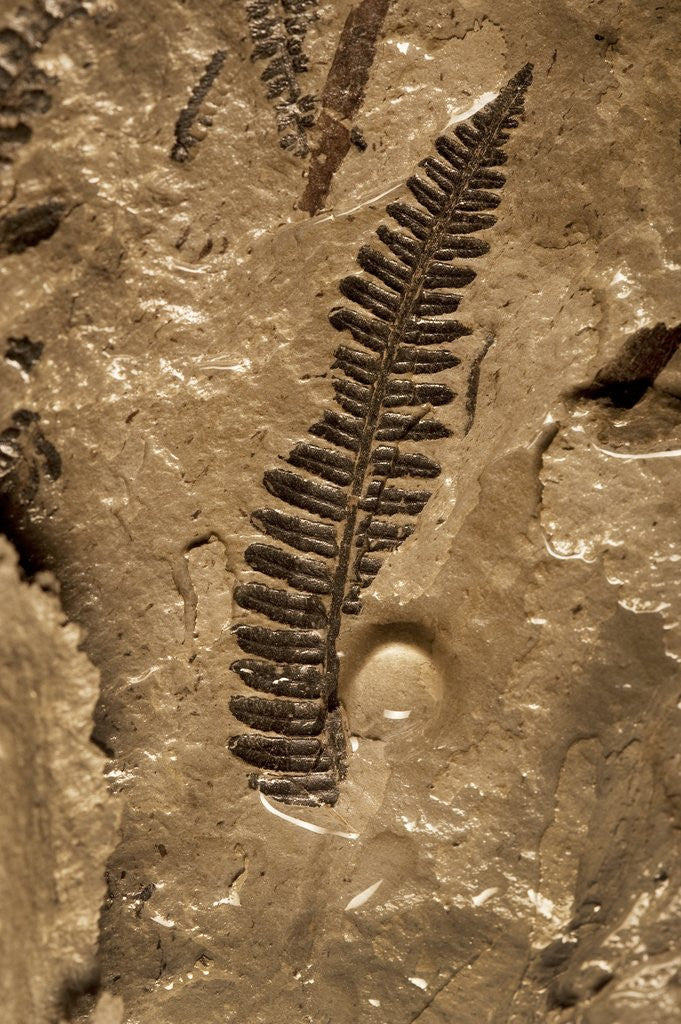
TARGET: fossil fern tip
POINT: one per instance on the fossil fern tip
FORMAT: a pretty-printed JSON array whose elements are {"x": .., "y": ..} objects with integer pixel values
[{"x": 523, "y": 78}]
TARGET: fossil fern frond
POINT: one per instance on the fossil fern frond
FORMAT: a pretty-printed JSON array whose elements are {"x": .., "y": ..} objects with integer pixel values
[{"x": 357, "y": 484}]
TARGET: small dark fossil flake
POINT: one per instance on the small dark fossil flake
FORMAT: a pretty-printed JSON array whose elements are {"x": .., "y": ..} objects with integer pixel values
[
  {"x": 357, "y": 484},
  {"x": 29, "y": 226},
  {"x": 278, "y": 30},
  {"x": 23, "y": 352},
  {"x": 25, "y": 456},
  {"x": 627, "y": 377}
]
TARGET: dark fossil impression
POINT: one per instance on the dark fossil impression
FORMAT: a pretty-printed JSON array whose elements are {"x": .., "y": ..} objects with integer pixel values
[
  {"x": 24, "y": 88},
  {"x": 185, "y": 137},
  {"x": 29, "y": 226},
  {"x": 351, "y": 482},
  {"x": 26, "y": 456},
  {"x": 278, "y": 29}
]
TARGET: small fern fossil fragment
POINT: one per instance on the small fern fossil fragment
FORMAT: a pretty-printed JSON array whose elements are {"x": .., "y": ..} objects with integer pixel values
[
  {"x": 350, "y": 484},
  {"x": 185, "y": 138},
  {"x": 278, "y": 29},
  {"x": 24, "y": 87}
]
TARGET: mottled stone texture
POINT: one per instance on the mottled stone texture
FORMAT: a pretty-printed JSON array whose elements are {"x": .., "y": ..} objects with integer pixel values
[
  {"x": 58, "y": 822},
  {"x": 523, "y": 822}
]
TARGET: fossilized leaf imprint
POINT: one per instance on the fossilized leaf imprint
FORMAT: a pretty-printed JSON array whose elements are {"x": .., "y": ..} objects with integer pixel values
[
  {"x": 351, "y": 485},
  {"x": 278, "y": 29}
]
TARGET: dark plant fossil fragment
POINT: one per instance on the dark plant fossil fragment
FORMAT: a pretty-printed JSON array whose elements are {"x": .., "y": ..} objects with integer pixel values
[
  {"x": 29, "y": 226},
  {"x": 474, "y": 383},
  {"x": 341, "y": 99},
  {"x": 644, "y": 354},
  {"x": 23, "y": 352},
  {"x": 24, "y": 88},
  {"x": 278, "y": 29},
  {"x": 26, "y": 455},
  {"x": 184, "y": 137},
  {"x": 349, "y": 484}
]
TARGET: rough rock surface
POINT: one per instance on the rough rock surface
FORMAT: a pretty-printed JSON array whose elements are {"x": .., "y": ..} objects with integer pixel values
[
  {"x": 523, "y": 822},
  {"x": 58, "y": 820}
]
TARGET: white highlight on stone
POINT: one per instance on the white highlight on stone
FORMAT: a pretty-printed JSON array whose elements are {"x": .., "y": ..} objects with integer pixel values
[
  {"x": 232, "y": 900},
  {"x": 180, "y": 314},
  {"x": 625, "y": 280},
  {"x": 396, "y": 715},
  {"x": 243, "y": 366},
  {"x": 419, "y": 982},
  {"x": 166, "y": 922},
  {"x": 375, "y": 1002},
  {"x": 365, "y": 202},
  {"x": 318, "y": 829},
  {"x": 583, "y": 546},
  {"x": 643, "y": 607},
  {"x": 354, "y": 744},
  {"x": 673, "y": 453},
  {"x": 485, "y": 895},
  {"x": 361, "y": 898},
  {"x": 543, "y": 905},
  {"x": 478, "y": 103},
  {"x": 183, "y": 268}
]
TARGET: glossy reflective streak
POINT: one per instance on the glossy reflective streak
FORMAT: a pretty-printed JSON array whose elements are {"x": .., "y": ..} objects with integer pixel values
[
  {"x": 473, "y": 108},
  {"x": 361, "y": 898},
  {"x": 673, "y": 453},
  {"x": 394, "y": 693},
  {"x": 566, "y": 554},
  {"x": 309, "y": 826}
]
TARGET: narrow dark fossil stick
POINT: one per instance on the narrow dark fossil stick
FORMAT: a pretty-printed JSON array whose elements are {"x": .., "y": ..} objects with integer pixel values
[
  {"x": 474, "y": 383},
  {"x": 184, "y": 139},
  {"x": 342, "y": 97}
]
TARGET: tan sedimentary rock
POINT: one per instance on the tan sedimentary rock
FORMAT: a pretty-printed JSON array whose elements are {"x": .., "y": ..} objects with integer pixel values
[
  {"x": 523, "y": 820},
  {"x": 58, "y": 820}
]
